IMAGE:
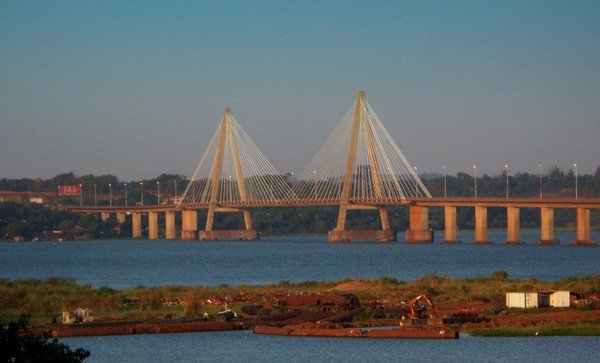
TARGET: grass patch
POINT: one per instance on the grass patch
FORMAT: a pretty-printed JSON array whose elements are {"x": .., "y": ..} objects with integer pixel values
[{"x": 46, "y": 299}]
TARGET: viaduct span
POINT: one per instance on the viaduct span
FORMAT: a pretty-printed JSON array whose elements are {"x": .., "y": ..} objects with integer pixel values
[{"x": 359, "y": 167}]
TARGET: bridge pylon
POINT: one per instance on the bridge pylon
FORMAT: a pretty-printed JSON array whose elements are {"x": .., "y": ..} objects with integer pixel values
[
  {"x": 360, "y": 167},
  {"x": 340, "y": 234},
  {"x": 232, "y": 175},
  {"x": 227, "y": 137}
]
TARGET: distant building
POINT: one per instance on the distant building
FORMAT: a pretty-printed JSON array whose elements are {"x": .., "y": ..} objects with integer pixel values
[{"x": 29, "y": 197}]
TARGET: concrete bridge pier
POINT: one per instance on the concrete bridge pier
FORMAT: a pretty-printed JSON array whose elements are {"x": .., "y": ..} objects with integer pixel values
[
  {"x": 583, "y": 228},
  {"x": 450, "y": 226},
  {"x": 513, "y": 227},
  {"x": 340, "y": 234},
  {"x": 419, "y": 231},
  {"x": 170, "y": 225},
  {"x": 547, "y": 227},
  {"x": 121, "y": 217},
  {"x": 152, "y": 225},
  {"x": 248, "y": 234},
  {"x": 189, "y": 224},
  {"x": 481, "y": 225},
  {"x": 136, "y": 225}
]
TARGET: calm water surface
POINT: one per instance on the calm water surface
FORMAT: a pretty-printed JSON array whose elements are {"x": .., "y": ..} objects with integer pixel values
[
  {"x": 242, "y": 346},
  {"x": 129, "y": 263}
]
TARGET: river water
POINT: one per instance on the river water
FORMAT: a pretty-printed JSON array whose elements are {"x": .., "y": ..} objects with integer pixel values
[
  {"x": 129, "y": 263},
  {"x": 244, "y": 346}
]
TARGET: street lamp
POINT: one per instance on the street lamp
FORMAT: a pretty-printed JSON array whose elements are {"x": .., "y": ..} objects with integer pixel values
[
  {"x": 575, "y": 165},
  {"x": 125, "y": 194},
  {"x": 110, "y": 194},
  {"x": 175, "y": 185},
  {"x": 80, "y": 195},
  {"x": 158, "y": 192},
  {"x": 541, "y": 173},
  {"x": 445, "y": 176},
  {"x": 95, "y": 196},
  {"x": 475, "y": 178},
  {"x": 142, "y": 192},
  {"x": 506, "y": 168}
]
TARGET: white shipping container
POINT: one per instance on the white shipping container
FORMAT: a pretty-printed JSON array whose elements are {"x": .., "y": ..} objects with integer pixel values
[
  {"x": 531, "y": 299},
  {"x": 521, "y": 300},
  {"x": 560, "y": 299}
]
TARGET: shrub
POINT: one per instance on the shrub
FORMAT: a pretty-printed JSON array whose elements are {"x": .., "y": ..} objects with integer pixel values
[
  {"x": 499, "y": 275},
  {"x": 194, "y": 308},
  {"x": 18, "y": 344}
]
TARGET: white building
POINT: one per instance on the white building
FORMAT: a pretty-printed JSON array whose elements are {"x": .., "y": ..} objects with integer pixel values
[
  {"x": 560, "y": 299},
  {"x": 527, "y": 300},
  {"x": 522, "y": 300}
]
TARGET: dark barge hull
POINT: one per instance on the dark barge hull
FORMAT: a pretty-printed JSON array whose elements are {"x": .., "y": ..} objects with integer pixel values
[
  {"x": 407, "y": 333},
  {"x": 140, "y": 328}
]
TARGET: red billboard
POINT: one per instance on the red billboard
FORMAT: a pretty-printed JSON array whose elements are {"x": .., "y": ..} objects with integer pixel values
[{"x": 70, "y": 189}]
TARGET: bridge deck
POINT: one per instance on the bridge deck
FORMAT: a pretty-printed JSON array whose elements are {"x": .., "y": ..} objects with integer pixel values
[{"x": 592, "y": 203}]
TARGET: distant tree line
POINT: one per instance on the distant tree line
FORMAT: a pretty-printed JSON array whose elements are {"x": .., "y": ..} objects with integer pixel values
[{"x": 32, "y": 221}]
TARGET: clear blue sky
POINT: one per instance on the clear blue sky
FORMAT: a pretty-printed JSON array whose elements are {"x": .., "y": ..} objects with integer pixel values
[{"x": 136, "y": 88}]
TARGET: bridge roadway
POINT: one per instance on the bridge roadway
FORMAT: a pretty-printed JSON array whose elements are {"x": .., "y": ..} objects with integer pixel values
[
  {"x": 418, "y": 231},
  {"x": 489, "y": 202}
]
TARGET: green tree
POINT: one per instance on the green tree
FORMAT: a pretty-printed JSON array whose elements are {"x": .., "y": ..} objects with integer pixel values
[{"x": 19, "y": 344}]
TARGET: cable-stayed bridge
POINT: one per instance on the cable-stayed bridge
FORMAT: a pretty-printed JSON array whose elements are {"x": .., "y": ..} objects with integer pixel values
[{"x": 359, "y": 167}]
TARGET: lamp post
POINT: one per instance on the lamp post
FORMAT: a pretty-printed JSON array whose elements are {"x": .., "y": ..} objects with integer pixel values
[
  {"x": 575, "y": 165},
  {"x": 110, "y": 194},
  {"x": 95, "y": 196},
  {"x": 475, "y": 178},
  {"x": 80, "y": 195},
  {"x": 175, "y": 185},
  {"x": 157, "y": 192},
  {"x": 541, "y": 174},
  {"x": 445, "y": 185},
  {"x": 125, "y": 194},
  {"x": 142, "y": 192},
  {"x": 506, "y": 169}
]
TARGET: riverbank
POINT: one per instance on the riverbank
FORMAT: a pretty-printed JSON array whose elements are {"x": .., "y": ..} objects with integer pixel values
[{"x": 385, "y": 301}]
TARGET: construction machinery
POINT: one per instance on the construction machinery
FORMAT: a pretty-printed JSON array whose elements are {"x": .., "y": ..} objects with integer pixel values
[{"x": 421, "y": 307}]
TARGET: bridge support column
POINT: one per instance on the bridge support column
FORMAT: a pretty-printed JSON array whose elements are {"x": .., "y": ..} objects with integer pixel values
[
  {"x": 419, "y": 231},
  {"x": 189, "y": 224},
  {"x": 450, "y": 227},
  {"x": 170, "y": 225},
  {"x": 152, "y": 225},
  {"x": 136, "y": 225},
  {"x": 481, "y": 225},
  {"x": 385, "y": 219},
  {"x": 513, "y": 227},
  {"x": 340, "y": 234},
  {"x": 121, "y": 217},
  {"x": 104, "y": 216},
  {"x": 583, "y": 228},
  {"x": 247, "y": 234},
  {"x": 547, "y": 227}
]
